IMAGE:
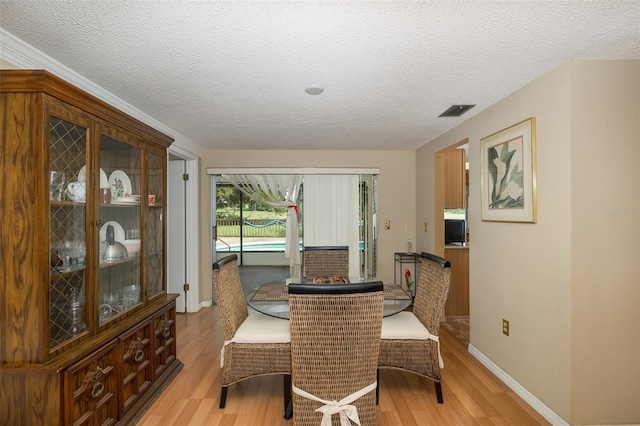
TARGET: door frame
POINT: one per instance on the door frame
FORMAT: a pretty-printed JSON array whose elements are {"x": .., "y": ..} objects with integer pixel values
[
  {"x": 192, "y": 257},
  {"x": 438, "y": 203}
]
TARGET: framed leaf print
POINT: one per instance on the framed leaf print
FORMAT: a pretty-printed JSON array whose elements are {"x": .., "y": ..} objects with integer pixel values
[{"x": 508, "y": 167}]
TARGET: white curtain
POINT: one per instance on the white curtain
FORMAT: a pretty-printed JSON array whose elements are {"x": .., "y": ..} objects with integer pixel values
[
  {"x": 331, "y": 212},
  {"x": 277, "y": 191}
]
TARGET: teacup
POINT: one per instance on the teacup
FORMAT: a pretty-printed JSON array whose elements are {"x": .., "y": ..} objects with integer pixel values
[
  {"x": 77, "y": 191},
  {"x": 105, "y": 312}
]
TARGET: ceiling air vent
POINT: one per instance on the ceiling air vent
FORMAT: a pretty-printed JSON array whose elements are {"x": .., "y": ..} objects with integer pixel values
[{"x": 456, "y": 110}]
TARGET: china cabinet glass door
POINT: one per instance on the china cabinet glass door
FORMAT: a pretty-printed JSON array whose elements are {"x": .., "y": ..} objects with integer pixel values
[
  {"x": 154, "y": 229},
  {"x": 119, "y": 242},
  {"x": 67, "y": 230}
]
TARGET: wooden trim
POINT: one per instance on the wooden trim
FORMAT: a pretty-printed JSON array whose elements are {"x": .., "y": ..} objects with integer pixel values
[{"x": 438, "y": 204}]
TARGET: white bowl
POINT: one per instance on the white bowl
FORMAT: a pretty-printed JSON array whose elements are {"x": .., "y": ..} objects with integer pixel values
[
  {"x": 77, "y": 191},
  {"x": 132, "y": 246}
]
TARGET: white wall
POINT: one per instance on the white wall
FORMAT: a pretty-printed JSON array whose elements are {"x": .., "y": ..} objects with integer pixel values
[
  {"x": 605, "y": 199},
  {"x": 548, "y": 279}
]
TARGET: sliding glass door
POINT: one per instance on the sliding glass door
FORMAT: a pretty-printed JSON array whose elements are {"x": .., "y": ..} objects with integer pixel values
[{"x": 333, "y": 210}]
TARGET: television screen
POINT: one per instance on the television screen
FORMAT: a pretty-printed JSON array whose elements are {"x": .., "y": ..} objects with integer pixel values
[{"x": 454, "y": 231}]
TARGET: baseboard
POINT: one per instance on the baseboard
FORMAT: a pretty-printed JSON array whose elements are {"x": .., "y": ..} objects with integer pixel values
[{"x": 528, "y": 397}]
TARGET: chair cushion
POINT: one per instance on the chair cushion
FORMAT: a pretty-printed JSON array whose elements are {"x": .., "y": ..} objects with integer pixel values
[
  {"x": 262, "y": 328},
  {"x": 404, "y": 326}
]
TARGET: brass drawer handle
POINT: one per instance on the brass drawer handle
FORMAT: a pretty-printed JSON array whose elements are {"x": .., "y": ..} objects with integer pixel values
[
  {"x": 165, "y": 325},
  {"x": 93, "y": 378},
  {"x": 97, "y": 389},
  {"x": 137, "y": 346}
]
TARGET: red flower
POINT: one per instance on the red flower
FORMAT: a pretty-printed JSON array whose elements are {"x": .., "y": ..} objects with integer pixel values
[{"x": 407, "y": 278}]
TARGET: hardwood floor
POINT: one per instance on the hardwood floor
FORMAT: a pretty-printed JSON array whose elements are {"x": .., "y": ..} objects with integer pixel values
[{"x": 472, "y": 394}]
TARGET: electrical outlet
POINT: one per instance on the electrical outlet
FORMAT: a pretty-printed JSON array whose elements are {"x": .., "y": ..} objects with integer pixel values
[
  {"x": 387, "y": 224},
  {"x": 505, "y": 327},
  {"x": 425, "y": 227}
]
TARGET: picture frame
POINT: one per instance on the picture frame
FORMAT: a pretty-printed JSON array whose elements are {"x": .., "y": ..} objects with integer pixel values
[{"x": 508, "y": 174}]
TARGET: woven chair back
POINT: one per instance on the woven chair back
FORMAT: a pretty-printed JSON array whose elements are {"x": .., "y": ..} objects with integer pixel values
[
  {"x": 335, "y": 341},
  {"x": 326, "y": 261},
  {"x": 230, "y": 298},
  {"x": 432, "y": 291}
]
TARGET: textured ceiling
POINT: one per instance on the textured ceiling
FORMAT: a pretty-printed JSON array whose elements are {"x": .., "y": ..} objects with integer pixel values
[{"x": 232, "y": 74}]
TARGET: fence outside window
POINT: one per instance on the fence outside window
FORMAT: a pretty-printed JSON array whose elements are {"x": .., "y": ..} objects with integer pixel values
[{"x": 253, "y": 228}]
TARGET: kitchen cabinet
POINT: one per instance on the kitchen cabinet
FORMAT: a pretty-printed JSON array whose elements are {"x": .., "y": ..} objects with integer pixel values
[
  {"x": 458, "y": 299},
  {"x": 454, "y": 179},
  {"x": 82, "y": 257}
]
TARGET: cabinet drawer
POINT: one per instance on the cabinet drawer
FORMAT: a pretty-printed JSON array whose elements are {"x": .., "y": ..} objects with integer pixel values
[
  {"x": 90, "y": 389},
  {"x": 164, "y": 330},
  {"x": 136, "y": 353}
]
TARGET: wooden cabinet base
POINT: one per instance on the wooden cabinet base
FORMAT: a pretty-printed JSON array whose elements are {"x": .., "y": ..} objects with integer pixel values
[
  {"x": 139, "y": 408},
  {"x": 110, "y": 380}
]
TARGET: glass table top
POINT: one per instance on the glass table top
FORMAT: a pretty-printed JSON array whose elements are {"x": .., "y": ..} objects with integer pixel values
[{"x": 272, "y": 298}]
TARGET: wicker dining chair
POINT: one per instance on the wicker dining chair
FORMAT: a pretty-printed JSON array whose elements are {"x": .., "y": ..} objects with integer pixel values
[
  {"x": 326, "y": 261},
  {"x": 335, "y": 338},
  {"x": 254, "y": 345},
  {"x": 410, "y": 340}
]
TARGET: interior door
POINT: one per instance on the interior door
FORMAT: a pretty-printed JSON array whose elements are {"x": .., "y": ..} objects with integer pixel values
[{"x": 176, "y": 235}]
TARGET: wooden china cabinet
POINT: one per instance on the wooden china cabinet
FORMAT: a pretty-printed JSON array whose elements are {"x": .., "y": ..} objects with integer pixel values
[{"x": 87, "y": 329}]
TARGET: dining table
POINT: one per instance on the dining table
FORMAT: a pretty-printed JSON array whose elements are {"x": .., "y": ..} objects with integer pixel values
[{"x": 272, "y": 298}]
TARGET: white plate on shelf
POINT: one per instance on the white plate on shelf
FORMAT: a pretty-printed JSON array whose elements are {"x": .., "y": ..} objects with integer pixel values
[
  {"x": 104, "y": 180},
  {"x": 120, "y": 185},
  {"x": 128, "y": 199},
  {"x": 118, "y": 231},
  {"x": 126, "y": 202}
]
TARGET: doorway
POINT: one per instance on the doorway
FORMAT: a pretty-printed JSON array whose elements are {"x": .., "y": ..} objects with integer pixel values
[{"x": 451, "y": 199}]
